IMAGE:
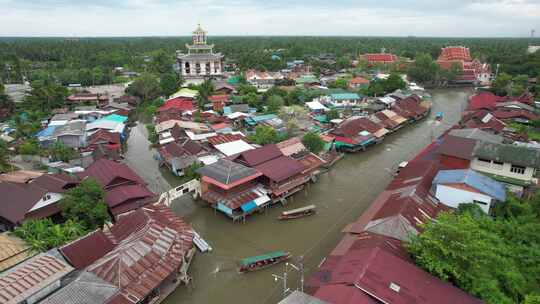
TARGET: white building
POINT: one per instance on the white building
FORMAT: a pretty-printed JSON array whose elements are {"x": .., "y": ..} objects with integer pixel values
[
  {"x": 456, "y": 187},
  {"x": 200, "y": 62}
]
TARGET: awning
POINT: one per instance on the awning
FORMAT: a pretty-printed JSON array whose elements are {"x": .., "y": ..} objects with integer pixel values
[
  {"x": 261, "y": 200},
  {"x": 224, "y": 209},
  {"x": 249, "y": 206}
]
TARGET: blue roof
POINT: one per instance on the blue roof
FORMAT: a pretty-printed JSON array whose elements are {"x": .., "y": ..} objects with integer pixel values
[
  {"x": 472, "y": 179},
  {"x": 249, "y": 206},
  {"x": 256, "y": 119},
  {"x": 345, "y": 96},
  {"x": 115, "y": 117},
  {"x": 48, "y": 131}
]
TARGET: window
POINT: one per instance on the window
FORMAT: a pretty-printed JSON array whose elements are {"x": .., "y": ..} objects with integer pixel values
[
  {"x": 498, "y": 163},
  {"x": 517, "y": 169},
  {"x": 484, "y": 160},
  {"x": 480, "y": 203}
]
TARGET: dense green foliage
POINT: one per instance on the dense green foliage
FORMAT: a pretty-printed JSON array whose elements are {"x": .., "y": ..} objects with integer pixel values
[
  {"x": 4, "y": 157},
  {"x": 44, "y": 234},
  {"x": 265, "y": 135},
  {"x": 85, "y": 204},
  {"x": 496, "y": 259},
  {"x": 60, "y": 152},
  {"x": 313, "y": 142}
]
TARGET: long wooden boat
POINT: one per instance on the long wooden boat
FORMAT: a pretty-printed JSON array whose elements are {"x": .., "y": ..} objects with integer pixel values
[
  {"x": 263, "y": 261},
  {"x": 298, "y": 213}
]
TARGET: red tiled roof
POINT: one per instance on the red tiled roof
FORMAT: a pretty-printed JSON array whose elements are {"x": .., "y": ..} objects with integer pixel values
[
  {"x": 482, "y": 120},
  {"x": 380, "y": 58},
  {"x": 455, "y": 53},
  {"x": 178, "y": 103},
  {"x": 281, "y": 168},
  {"x": 359, "y": 80},
  {"x": 151, "y": 243},
  {"x": 105, "y": 171},
  {"x": 260, "y": 155},
  {"x": 224, "y": 138},
  {"x": 86, "y": 250}
]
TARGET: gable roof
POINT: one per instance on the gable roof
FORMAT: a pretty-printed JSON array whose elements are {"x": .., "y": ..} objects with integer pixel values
[
  {"x": 104, "y": 136},
  {"x": 281, "y": 168},
  {"x": 18, "y": 199},
  {"x": 477, "y": 134},
  {"x": 460, "y": 147},
  {"x": 227, "y": 173},
  {"x": 85, "y": 289},
  {"x": 258, "y": 156},
  {"x": 291, "y": 146},
  {"x": 57, "y": 183},
  {"x": 151, "y": 236},
  {"x": 234, "y": 147},
  {"x": 87, "y": 249},
  {"x": 14, "y": 251},
  {"x": 31, "y": 276},
  {"x": 105, "y": 171},
  {"x": 124, "y": 193},
  {"x": 472, "y": 179},
  {"x": 516, "y": 155}
]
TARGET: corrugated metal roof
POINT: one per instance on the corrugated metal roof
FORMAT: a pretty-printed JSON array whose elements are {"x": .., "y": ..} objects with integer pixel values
[
  {"x": 473, "y": 179},
  {"x": 13, "y": 251},
  {"x": 86, "y": 289},
  {"x": 33, "y": 275}
]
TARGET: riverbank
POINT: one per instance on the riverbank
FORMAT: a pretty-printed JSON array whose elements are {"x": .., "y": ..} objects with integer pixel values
[{"x": 341, "y": 195}]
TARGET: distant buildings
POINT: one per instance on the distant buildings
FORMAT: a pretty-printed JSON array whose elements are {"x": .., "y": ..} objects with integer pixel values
[
  {"x": 200, "y": 61},
  {"x": 473, "y": 71},
  {"x": 379, "y": 58}
]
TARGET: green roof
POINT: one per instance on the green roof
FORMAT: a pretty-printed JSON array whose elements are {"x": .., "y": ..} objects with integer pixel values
[
  {"x": 233, "y": 80},
  {"x": 255, "y": 259},
  {"x": 307, "y": 79},
  {"x": 345, "y": 96},
  {"x": 521, "y": 156}
]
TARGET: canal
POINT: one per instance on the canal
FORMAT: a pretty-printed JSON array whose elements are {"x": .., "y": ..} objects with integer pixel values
[{"x": 341, "y": 195}]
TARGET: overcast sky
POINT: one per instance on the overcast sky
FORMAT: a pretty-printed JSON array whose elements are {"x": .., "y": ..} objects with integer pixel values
[{"x": 462, "y": 18}]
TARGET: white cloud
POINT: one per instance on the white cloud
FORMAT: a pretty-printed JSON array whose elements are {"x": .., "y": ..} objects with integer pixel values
[{"x": 253, "y": 17}]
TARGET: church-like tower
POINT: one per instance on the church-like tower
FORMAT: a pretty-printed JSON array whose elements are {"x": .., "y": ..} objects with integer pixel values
[{"x": 200, "y": 61}]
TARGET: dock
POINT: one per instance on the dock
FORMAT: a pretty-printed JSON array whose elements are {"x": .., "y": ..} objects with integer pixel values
[{"x": 201, "y": 244}]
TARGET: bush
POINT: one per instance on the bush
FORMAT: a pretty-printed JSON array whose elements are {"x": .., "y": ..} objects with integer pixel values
[{"x": 313, "y": 142}]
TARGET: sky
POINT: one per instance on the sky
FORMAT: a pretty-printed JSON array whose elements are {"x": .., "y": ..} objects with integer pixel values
[{"x": 444, "y": 18}]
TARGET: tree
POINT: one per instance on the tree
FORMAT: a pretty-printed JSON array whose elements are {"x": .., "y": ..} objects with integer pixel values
[
  {"x": 206, "y": 89},
  {"x": 244, "y": 89},
  {"x": 496, "y": 259},
  {"x": 29, "y": 147},
  {"x": 274, "y": 103},
  {"x": 313, "y": 142},
  {"x": 7, "y": 106},
  {"x": 170, "y": 83},
  {"x": 46, "y": 94},
  {"x": 501, "y": 84},
  {"x": 44, "y": 234},
  {"x": 60, "y": 152},
  {"x": 162, "y": 62},
  {"x": 332, "y": 114},
  {"x": 424, "y": 69},
  {"x": 85, "y": 204},
  {"x": 152, "y": 134},
  {"x": 145, "y": 86},
  {"x": 4, "y": 157},
  {"x": 340, "y": 83},
  {"x": 393, "y": 82},
  {"x": 264, "y": 135}
]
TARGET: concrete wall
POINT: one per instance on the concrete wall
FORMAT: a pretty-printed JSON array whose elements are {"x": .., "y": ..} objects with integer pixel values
[
  {"x": 503, "y": 170},
  {"x": 453, "y": 197}
]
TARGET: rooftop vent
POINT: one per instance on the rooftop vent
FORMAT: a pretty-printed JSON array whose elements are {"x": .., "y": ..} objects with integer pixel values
[{"x": 395, "y": 287}]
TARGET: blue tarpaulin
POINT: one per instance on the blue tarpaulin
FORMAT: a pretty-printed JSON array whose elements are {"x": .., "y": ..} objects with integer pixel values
[
  {"x": 115, "y": 117},
  {"x": 224, "y": 209},
  {"x": 249, "y": 206},
  {"x": 46, "y": 132}
]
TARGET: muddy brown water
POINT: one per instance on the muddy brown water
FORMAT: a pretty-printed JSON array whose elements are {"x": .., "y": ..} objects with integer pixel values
[{"x": 341, "y": 195}]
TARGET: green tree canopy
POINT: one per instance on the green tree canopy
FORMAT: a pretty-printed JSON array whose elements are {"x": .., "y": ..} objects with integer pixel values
[
  {"x": 146, "y": 87},
  {"x": 496, "y": 259},
  {"x": 502, "y": 83},
  {"x": 29, "y": 147},
  {"x": 44, "y": 234},
  {"x": 46, "y": 94},
  {"x": 424, "y": 69},
  {"x": 313, "y": 142},
  {"x": 264, "y": 135},
  {"x": 60, "y": 152},
  {"x": 85, "y": 204},
  {"x": 274, "y": 103},
  {"x": 170, "y": 83}
]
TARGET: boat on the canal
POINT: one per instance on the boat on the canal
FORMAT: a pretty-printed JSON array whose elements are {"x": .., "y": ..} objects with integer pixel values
[
  {"x": 298, "y": 213},
  {"x": 263, "y": 261}
]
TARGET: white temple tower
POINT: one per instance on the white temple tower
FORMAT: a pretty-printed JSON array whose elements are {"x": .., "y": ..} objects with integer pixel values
[{"x": 200, "y": 62}]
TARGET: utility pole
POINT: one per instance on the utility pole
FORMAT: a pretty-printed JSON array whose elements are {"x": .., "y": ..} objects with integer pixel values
[
  {"x": 300, "y": 269},
  {"x": 284, "y": 279}
]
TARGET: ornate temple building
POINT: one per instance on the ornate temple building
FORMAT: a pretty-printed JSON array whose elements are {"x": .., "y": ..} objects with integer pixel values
[
  {"x": 200, "y": 62},
  {"x": 474, "y": 71}
]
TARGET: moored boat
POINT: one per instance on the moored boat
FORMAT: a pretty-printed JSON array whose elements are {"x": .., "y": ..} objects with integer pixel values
[
  {"x": 263, "y": 261},
  {"x": 298, "y": 213}
]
